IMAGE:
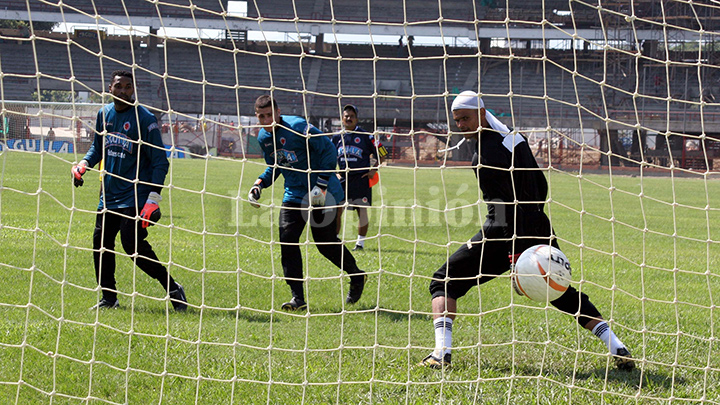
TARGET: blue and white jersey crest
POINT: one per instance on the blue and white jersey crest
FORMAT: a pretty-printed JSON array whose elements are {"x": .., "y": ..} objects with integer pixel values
[
  {"x": 350, "y": 150},
  {"x": 286, "y": 157},
  {"x": 119, "y": 142}
]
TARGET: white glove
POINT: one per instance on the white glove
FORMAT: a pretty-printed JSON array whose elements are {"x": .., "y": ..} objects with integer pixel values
[
  {"x": 254, "y": 194},
  {"x": 317, "y": 197},
  {"x": 153, "y": 198}
]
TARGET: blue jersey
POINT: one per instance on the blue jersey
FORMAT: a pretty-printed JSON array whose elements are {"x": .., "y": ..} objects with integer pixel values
[
  {"x": 125, "y": 158},
  {"x": 295, "y": 147},
  {"x": 354, "y": 149}
]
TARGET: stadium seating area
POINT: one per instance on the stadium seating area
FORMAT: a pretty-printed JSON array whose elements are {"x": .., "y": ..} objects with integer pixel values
[
  {"x": 217, "y": 78},
  {"x": 166, "y": 8},
  {"x": 554, "y": 11},
  {"x": 214, "y": 78},
  {"x": 57, "y": 62}
]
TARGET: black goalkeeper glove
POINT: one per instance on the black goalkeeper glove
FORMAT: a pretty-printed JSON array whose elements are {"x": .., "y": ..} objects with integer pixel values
[{"x": 254, "y": 194}]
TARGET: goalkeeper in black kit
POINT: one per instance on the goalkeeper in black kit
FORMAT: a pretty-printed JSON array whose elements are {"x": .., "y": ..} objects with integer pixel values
[
  {"x": 128, "y": 140},
  {"x": 507, "y": 172}
]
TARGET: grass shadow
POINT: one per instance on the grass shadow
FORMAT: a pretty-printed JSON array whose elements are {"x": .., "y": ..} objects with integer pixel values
[{"x": 246, "y": 315}]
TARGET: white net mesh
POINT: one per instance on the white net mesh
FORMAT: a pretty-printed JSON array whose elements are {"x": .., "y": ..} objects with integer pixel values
[{"x": 616, "y": 100}]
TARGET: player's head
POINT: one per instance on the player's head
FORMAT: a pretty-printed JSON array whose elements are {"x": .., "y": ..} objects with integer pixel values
[
  {"x": 468, "y": 111},
  {"x": 122, "y": 88},
  {"x": 349, "y": 117},
  {"x": 471, "y": 116},
  {"x": 267, "y": 111}
]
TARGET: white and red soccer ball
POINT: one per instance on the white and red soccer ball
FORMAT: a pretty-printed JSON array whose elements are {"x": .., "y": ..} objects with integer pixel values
[{"x": 542, "y": 273}]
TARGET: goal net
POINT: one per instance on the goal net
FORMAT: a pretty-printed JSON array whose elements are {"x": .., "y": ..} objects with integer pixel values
[{"x": 615, "y": 99}]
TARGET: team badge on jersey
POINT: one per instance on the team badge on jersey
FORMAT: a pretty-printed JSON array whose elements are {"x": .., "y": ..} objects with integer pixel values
[
  {"x": 118, "y": 145},
  {"x": 282, "y": 141},
  {"x": 357, "y": 139},
  {"x": 126, "y": 126},
  {"x": 364, "y": 200},
  {"x": 285, "y": 158}
]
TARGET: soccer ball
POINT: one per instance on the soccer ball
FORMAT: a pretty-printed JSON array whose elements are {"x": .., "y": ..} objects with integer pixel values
[{"x": 542, "y": 273}]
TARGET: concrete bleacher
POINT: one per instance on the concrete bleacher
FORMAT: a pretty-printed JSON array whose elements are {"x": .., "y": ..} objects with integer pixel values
[
  {"x": 342, "y": 10},
  {"x": 224, "y": 70},
  {"x": 166, "y": 8},
  {"x": 57, "y": 63},
  {"x": 228, "y": 80},
  {"x": 417, "y": 10},
  {"x": 681, "y": 14}
]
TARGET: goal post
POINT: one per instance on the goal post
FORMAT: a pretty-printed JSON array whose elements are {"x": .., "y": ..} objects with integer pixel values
[{"x": 615, "y": 99}]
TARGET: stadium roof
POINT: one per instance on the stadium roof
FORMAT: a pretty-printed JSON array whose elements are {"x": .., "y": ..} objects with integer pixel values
[{"x": 471, "y": 19}]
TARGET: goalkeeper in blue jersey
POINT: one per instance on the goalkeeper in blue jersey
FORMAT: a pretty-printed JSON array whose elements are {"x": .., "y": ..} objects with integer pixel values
[
  {"x": 128, "y": 140},
  {"x": 290, "y": 147}
]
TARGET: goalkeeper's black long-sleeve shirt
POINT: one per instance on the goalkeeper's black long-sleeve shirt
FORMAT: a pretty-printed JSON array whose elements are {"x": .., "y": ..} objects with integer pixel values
[{"x": 514, "y": 195}]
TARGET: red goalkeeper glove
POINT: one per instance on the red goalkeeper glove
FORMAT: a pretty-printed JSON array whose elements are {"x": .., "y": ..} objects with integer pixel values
[
  {"x": 77, "y": 171},
  {"x": 151, "y": 211}
]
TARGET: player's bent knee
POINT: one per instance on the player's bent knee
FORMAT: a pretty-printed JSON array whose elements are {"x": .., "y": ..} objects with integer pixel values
[
  {"x": 575, "y": 302},
  {"x": 438, "y": 288},
  {"x": 436, "y": 292}
]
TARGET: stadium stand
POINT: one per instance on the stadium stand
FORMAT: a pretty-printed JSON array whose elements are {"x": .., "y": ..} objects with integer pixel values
[
  {"x": 682, "y": 15},
  {"x": 166, "y": 8},
  {"x": 308, "y": 79},
  {"x": 356, "y": 77}
]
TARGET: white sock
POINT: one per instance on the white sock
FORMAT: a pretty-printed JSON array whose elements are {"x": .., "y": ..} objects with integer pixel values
[
  {"x": 443, "y": 336},
  {"x": 602, "y": 331},
  {"x": 360, "y": 241}
]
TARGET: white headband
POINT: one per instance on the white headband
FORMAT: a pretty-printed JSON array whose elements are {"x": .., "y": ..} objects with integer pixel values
[{"x": 469, "y": 100}]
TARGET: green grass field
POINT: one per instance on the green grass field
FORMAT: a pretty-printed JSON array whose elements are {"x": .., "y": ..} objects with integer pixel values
[{"x": 644, "y": 249}]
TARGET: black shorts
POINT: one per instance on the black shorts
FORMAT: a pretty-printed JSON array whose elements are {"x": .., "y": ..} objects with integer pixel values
[
  {"x": 357, "y": 191},
  {"x": 485, "y": 256}
]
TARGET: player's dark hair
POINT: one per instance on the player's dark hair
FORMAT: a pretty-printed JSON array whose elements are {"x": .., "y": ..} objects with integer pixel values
[
  {"x": 265, "y": 101},
  {"x": 352, "y": 108},
  {"x": 121, "y": 73}
]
